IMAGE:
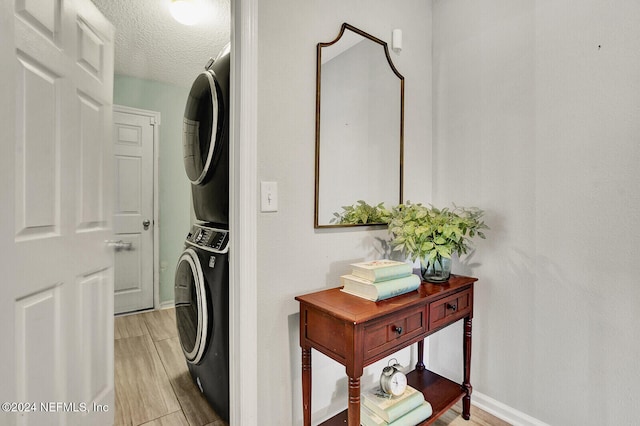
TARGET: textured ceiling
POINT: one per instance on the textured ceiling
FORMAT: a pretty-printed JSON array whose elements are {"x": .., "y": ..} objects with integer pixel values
[{"x": 150, "y": 44}]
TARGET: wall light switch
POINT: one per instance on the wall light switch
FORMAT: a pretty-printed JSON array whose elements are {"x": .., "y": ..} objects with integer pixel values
[{"x": 269, "y": 196}]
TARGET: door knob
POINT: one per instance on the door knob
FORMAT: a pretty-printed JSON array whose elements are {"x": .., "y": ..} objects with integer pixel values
[{"x": 146, "y": 223}]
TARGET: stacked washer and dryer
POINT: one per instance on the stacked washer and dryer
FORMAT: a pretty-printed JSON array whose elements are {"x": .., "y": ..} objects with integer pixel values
[{"x": 202, "y": 274}]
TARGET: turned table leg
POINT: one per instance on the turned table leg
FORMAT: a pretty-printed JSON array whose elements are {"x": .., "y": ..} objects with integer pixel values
[
  {"x": 306, "y": 385},
  {"x": 354, "y": 401},
  {"x": 466, "y": 384},
  {"x": 420, "y": 363}
]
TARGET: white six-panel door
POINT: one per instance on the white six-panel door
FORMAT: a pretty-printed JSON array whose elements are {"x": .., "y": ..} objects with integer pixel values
[
  {"x": 134, "y": 131},
  {"x": 56, "y": 274}
]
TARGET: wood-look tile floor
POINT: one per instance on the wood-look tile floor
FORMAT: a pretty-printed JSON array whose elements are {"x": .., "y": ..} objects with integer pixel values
[
  {"x": 154, "y": 388},
  {"x": 152, "y": 382},
  {"x": 478, "y": 418}
]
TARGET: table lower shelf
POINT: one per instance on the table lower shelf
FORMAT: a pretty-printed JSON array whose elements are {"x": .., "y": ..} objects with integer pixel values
[{"x": 440, "y": 392}]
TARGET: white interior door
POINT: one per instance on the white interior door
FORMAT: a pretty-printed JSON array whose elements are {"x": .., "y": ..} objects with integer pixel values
[
  {"x": 133, "y": 222},
  {"x": 56, "y": 305}
]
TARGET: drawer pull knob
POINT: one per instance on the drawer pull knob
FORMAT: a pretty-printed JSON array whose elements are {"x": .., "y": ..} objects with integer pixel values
[
  {"x": 453, "y": 307},
  {"x": 398, "y": 330}
]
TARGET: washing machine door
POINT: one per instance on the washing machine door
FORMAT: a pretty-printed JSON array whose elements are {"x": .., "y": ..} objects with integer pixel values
[
  {"x": 202, "y": 127},
  {"x": 192, "y": 314}
]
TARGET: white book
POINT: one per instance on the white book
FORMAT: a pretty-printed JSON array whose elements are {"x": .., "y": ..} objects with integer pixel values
[{"x": 381, "y": 270}]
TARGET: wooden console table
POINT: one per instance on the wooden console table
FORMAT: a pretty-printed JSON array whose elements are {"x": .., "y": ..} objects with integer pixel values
[{"x": 356, "y": 332}]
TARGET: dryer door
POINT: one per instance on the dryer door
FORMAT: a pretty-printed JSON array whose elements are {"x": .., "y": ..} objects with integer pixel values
[
  {"x": 202, "y": 127},
  {"x": 192, "y": 314}
]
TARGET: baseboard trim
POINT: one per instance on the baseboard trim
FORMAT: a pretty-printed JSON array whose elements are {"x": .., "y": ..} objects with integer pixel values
[
  {"x": 167, "y": 304},
  {"x": 503, "y": 411}
]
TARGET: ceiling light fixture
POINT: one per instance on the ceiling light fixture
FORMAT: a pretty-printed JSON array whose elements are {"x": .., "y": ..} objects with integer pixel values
[{"x": 187, "y": 12}]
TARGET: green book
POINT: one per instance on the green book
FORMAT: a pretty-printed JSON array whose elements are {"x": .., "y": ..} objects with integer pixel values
[
  {"x": 391, "y": 408},
  {"x": 379, "y": 291},
  {"x": 412, "y": 418}
]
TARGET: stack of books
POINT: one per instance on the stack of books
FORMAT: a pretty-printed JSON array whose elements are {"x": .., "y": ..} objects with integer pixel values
[
  {"x": 380, "y": 409},
  {"x": 380, "y": 279}
]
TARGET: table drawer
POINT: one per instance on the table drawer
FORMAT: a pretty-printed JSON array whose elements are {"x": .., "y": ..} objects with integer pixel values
[
  {"x": 450, "y": 309},
  {"x": 392, "y": 331}
]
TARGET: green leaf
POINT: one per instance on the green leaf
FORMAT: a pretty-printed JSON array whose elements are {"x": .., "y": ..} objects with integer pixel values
[
  {"x": 433, "y": 255},
  {"x": 427, "y": 246},
  {"x": 444, "y": 251}
]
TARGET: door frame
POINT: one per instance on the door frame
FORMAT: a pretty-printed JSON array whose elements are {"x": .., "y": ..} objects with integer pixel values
[
  {"x": 243, "y": 205},
  {"x": 154, "y": 118}
]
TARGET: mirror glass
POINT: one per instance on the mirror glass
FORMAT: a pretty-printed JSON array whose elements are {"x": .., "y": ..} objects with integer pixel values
[{"x": 359, "y": 126}]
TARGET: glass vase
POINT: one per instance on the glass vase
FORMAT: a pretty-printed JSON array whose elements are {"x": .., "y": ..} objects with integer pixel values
[{"x": 437, "y": 271}]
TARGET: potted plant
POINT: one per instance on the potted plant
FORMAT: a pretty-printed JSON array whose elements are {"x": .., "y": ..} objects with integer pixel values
[{"x": 432, "y": 235}]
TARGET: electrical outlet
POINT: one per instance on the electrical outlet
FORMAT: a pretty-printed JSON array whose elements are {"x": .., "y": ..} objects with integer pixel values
[{"x": 269, "y": 196}]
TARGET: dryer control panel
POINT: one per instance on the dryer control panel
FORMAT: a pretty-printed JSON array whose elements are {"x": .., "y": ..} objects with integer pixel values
[{"x": 208, "y": 238}]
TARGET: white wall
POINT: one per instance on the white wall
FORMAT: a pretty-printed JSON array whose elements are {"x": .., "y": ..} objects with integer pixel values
[
  {"x": 537, "y": 120},
  {"x": 293, "y": 258}
]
